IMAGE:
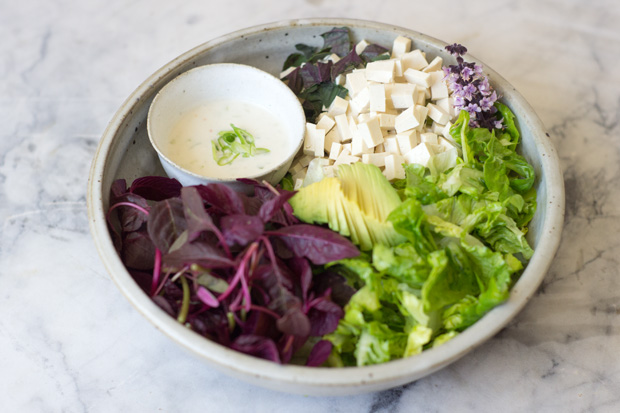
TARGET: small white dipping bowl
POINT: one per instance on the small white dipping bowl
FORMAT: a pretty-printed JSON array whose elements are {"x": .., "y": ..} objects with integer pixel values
[{"x": 225, "y": 82}]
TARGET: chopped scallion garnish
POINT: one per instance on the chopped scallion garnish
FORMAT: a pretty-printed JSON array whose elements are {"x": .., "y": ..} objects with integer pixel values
[{"x": 233, "y": 143}]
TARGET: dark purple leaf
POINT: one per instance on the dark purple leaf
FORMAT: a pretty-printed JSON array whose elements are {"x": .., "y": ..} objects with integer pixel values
[
  {"x": 270, "y": 208},
  {"x": 324, "y": 317},
  {"x": 197, "y": 252},
  {"x": 294, "y": 322},
  {"x": 166, "y": 223},
  {"x": 319, "y": 354},
  {"x": 156, "y": 188},
  {"x": 302, "y": 269},
  {"x": 295, "y": 81},
  {"x": 143, "y": 279},
  {"x": 131, "y": 218},
  {"x": 372, "y": 51},
  {"x": 350, "y": 61},
  {"x": 138, "y": 250},
  {"x": 164, "y": 304},
  {"x": 257, "y": 346},
  {"x": 222, "y": 198},
  {"x": 117, "y": 189},
  {"x": 197, "y": 218},
  {"x": 319, "y": 245},
  {"x": 207, "y": 297},
  {"x": 338, "y": 40},
  {"x": 341, "y": 292},
  {"x": 241, "y": 229},
  {"x": 311, "y": 75}
]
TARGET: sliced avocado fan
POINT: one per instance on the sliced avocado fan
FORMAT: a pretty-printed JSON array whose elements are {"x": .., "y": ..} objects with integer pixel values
[{"x": 355, "y": 204}]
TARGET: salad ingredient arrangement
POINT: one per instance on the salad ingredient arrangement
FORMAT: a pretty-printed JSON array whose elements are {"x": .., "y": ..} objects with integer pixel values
[
  {"x": 422, "y": 174},
  {"x": 236, "y": 269}
]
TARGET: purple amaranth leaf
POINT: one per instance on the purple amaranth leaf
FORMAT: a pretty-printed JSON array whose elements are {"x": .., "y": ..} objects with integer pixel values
[
  {"x": 117, "y": 189},
  {"x": 313, "y": 74},
  {"x": 294, "y": 322},
  {"x": 338, "y": 40},
  {"x": 294, "y": 80},
  {"x": 130, "y": 217},
  {"x": 138, "y": 250},
  {"x": 324, "y": 316},
  {"x": 372, "y": 51},
  {"x": 221, "y": 198},
  {"x": 156, "y": 188},
  {"x": 164, "y": 304},
  {"x": 241, "y": 229},
  {"x": 319, "y": 354},
  {"x": 166, "y": 223},
  {"x": 257, "y": 346},
  {"x": 319, "y": 245},
  {"x": 207, "y": 297},
  {"x": 198, "y": 219},
  {"x": 273, "y": 206},
  {"x": 302, "y": 270},
  {"x": 197, "y": 252},
  {"x": 350, "y": 61},
  {"x": 341, "y": 292}
]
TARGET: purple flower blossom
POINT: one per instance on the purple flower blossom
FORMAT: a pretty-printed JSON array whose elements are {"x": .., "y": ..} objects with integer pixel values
[{"x": 471, "y": 90}]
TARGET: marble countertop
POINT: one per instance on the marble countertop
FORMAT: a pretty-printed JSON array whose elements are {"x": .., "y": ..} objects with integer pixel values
[{"x": 69, "y": 341}]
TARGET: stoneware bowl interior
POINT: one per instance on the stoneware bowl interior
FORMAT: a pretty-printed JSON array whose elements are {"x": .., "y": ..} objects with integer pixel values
[{"x": 125, "y": 152}]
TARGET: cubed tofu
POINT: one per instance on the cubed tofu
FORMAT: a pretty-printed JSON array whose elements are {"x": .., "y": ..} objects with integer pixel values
[
  {"x": 381, "y": 71},
  {"x": 370, "y": 131},
  {"x": 447, "y": 104},
  {"x": 402, "y": 95},
  {"x": 377, "y": 159},
  {"x": 421, "y": 112},
  {"x": 407, "y": 140},
  {"x": 428, "y": 138},
  {"x": 400, "y": 46},
  {"x": 325, "y": 122},
  {"x": 390, "y": 145},
  {"x": 387, "y": 121},
  {"x": 342, "y": 125},
  {"x": 338, "y": 107},
  {"x": 335, "y": 150},
  {"x": 421, "y": 154},
  {"x": 377, "y": 97},
  {"x": 345, "y": 158},
  {"x": 308, "y": 148},
  {"x": 356, "y": 82},
  {"x": 318, "y": 142},
  {"x": 361, "y": 102},
  {"x": 434, "y": 65},
  {"x": 418, "y": 77},
  {"x": 439, "y": 90},
  {"x": 406, "y": 120},
  {"x": 394, "y": 167},
  {"x": 413, "y": 60},
  {"x": 359, "y": 47},
  {"x": 331, "y": 137},
  {"x": 437, "y": 114},
  {"x": 305, "y": 160}
]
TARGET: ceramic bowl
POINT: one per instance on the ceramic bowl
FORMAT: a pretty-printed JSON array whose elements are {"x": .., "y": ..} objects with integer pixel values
[
  {"x": 125, "y": 152},
  {"x": 222, "y": 84}
]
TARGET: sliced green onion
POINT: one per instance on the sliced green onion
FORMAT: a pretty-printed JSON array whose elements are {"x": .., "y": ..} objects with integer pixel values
[{"x": 231, "y": 144}]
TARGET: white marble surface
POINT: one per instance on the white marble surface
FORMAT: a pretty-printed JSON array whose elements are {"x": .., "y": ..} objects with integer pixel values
[{"x": 70, "y": 342}]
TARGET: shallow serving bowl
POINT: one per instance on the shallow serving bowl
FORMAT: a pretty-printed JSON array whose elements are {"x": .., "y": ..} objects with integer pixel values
[{"x": 125, "y": 152}]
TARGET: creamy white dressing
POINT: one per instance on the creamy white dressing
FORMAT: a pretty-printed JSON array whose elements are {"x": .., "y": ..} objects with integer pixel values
[{"x": 189, "y": 143}]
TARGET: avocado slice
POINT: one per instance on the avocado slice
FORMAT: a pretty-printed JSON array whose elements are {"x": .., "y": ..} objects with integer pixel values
[{"x": 356, "y": 204}]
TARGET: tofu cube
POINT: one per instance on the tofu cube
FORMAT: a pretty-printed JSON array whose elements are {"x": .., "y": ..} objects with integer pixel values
[
  {"x": 387, "y": 121},
  {"x": 361, "y": 102},
  {"x": 402, "y": 95},
  {"x": 406, "y": 120},
  {"x": 413, "y": 60},
  {"x": 318, "y": 142},
  {"x": 335, "y": 150},
  {"x": 418, "y": 77},
  {"x": 381, "y": 71},
  {"x": 400, "y": 46},
  {"x": 339, "y": 106},
  {"x": 377, "y": 97},
  {"x": 308, "y": 148},
  {"x": 407, "y": 140},
  {"x": 359, "y": 47},
  {"x": 429, "y": 138},
  {"x": 437, "y": 114},
  {"x": 421, "y": 154},
  {"x": 439, "y": 90},
  {"x": 370, "y": 131},
  {"x": 377, "y": 159},
  {"x": 325, "y": 122},
  {"x": 342, "y": 125},
  {"x": 390, "y": 145},
  {"x": 394, "y": 167},
  {"x": 421, "y": 112},
  {"x": 356, "y": 82},
  {"x": 434, "y": 65},
  {"x": 331, "y": 137}
]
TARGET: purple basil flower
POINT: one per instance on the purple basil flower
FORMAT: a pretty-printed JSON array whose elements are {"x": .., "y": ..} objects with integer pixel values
[
  {"x": 467, "y": 73},
  {"x": 468, "y": 91},
  {"x": 472, "y": 108}
]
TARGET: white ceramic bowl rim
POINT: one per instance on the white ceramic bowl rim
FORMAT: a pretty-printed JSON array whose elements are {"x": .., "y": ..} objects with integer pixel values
[
  {"x": 283, "y": 89},
  {"x": 348, "y": 380}
]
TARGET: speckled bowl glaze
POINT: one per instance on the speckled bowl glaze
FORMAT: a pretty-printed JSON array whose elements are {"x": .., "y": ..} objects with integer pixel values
[{"x": 125, "y": 152}]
